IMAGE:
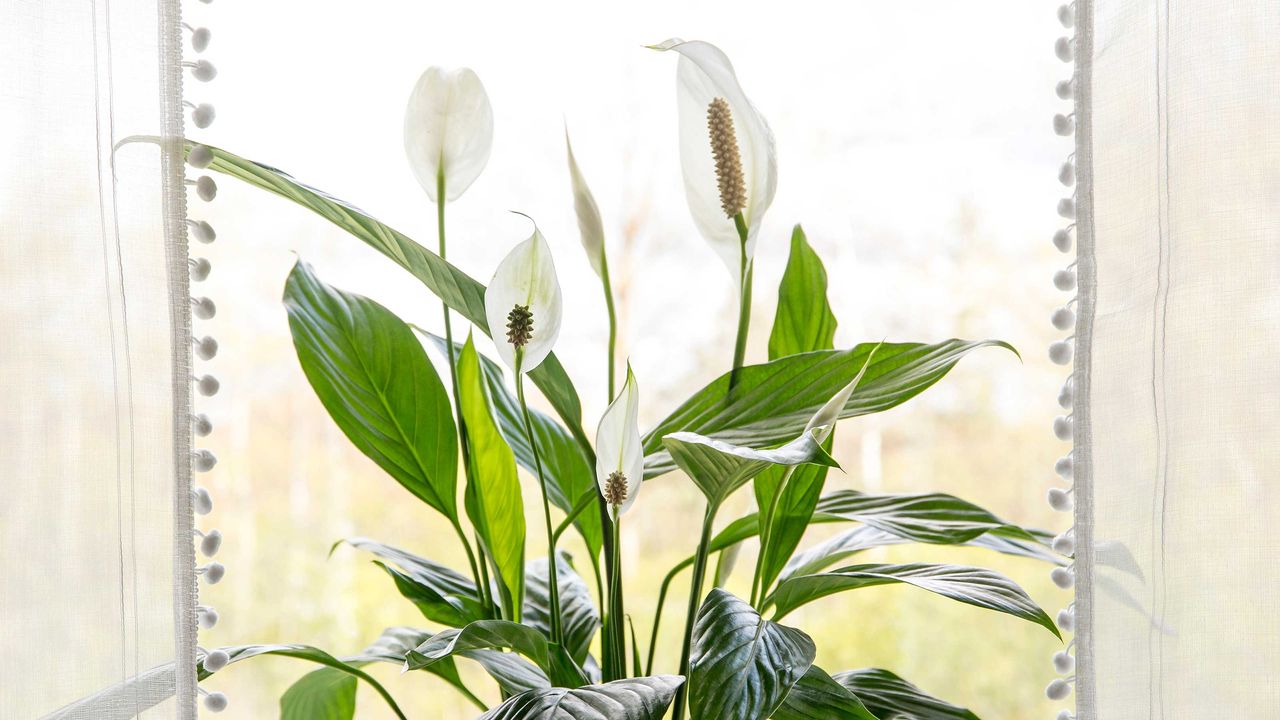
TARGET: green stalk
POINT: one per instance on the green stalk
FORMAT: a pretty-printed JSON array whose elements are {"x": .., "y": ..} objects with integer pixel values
[
  {"x": 766, "y": 537},
  {"x": 744, "y": 300},
  {"x": 457, "y": 398},
  {"x": 618, "y": 650},
  {"x": 695, "y": 599},
  {"x": 557, "y": 632},
  {"x": 613, "y": 318}
]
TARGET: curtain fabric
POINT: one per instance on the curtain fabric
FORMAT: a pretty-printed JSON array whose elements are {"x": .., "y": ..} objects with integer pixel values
[
  {"x": 97, "y": 582},
  {"x": 1178, "y": 105}
]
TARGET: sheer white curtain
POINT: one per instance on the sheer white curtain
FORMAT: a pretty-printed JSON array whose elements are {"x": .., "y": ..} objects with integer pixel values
[
  {"x": 1178, "y": 105},
  {"x": 97, "y": 578}
]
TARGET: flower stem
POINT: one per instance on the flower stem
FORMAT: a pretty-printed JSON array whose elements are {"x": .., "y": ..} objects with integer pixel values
[
  {"x": 553, "y": 581},
  {"x": 695, "y": 601},
  {"x": 613, "y": 319},
  {"x": 483, "y": 589},
  {"x": 744, "y": 300},
  {"x": 657, "y": 610},
  {"x": 618, "y": 659}
]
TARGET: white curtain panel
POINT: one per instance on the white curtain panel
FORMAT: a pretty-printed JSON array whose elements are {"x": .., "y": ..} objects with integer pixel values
[
  {"x": 97, "y": 582},
  {"x": 1177, "y": 350}
]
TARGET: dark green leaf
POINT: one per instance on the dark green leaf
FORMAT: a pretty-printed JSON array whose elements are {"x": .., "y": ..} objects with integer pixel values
[
  {"x": 974, "y": 586},
  {"x": 324, "y": 694},
  {"x": 442, "y": 595},
  {"x": 569, "y": 476},
  {"x": 645, "y": 698},
  {"x": 935, "y": 518},
  {"x": 890, "y": 697},
  {"x": 804, "y": 321},
  {"x": 771, "y": 403},
  {"x": 374, "y": 378},
  {"x": 817, "y": 695},
  {"x": 457, "y": 289},
  {"x": 742, "y": 665},
  {"x": 513, "y": 673},
  {"x": 490, "y": 634},
  {"x": 493, "y": 500},
  {"x": 579, "y": 618},
  {"x": 719, "y": 468}
]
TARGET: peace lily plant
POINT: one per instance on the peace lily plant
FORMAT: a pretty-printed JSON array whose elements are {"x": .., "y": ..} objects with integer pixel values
[{"x": 555, "y": 645}]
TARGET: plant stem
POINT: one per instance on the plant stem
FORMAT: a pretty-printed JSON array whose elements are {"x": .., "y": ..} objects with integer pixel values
[
  {"x": 457, "y": 398},
  {"x": 695, "y": 601},
  {"x": 613, "y": 318},
  {"x": 744, "y": 300},
  {"x": 553, "y": 581},
  {"x": 657, "y": 611},
  {"x": 587, "y": 501},
  {"x": 766, "y": 537},
  {"x": 619, "y": 653}
]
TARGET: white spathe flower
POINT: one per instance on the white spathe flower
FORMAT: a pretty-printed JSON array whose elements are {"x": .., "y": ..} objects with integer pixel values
[
  {"x": 523, "y": 305},
  {"x": 448, "y": 130},
  {"x": 590, "y": 226},
  {"x": 619, "y": 455},
  {"x": 704, "y": 74}
]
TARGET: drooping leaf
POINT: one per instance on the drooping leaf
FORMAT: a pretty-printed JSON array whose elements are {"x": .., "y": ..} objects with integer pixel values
[
  {"x": 804, "y": 321},
  {"x": 238, "y": 653},
  {"x": 513, "y": 673},
  {"x": 889, "y": 696},
  {"x": 578, "y": 615},
  {"x": 817, "y": 695},
  {"x": 442, "y": 595},
  {"x": 489, "y": 634},
  {"x": 971, "y": 585},
  {"x": 644, "y": 698},
  {"x": 492, "y": 499},
  {"x": 935, "y": 518},
  {"x": 718, "y": 468},
  {"x": 568, "y": 474},
  {"x": 324, "y": 694},
  {"x": 742, "y": 665},
  {"x": 374, "y": 378},
  {"x": 771, "y": 403},
  {"x": 457, "y": 289}
]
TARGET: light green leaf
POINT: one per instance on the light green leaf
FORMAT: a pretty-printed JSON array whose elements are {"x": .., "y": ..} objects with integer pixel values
[
  {"x": 795, "y": 510},
  {"x": 569, "y": 476},
  {"x": 742, "y": 666},
  {"x": 578, "y": 615},
  {"x": 889, "y": 696},
  {"x": 457, "y": 289},
  {"x": 238, "y": 653},
  {"x": 718, "y": 468},
  {"x": 374, "y": 378},
  {"x": 817, "y": 695},
  {"x": 490, "y": 634},
  {"x": 804, "y": 321},
  {"x": 645, "y": 698},
  {"x": 771, "y": 403},
  {"x": 493, "y": 500},
  {"x": 324, "y": 694},
  {"x": 971, "y": 585},
  {"x": 442, "y": 595}
]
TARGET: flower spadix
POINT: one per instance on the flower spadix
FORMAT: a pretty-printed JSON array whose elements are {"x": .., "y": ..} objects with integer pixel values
[
  {"x": 727, "y": 151},
  {"x": 619, "y": 455},
  {"x": 448, "y": 130},
  {"x": 523, "y": 304}
]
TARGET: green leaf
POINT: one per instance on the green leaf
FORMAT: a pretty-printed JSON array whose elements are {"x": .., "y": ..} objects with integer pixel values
[
  {"x": 493, "y": 498},
  {"x": 971, "y": 585},
  {"x": 935, "y": 518},
  {"x": 457, "y": 289},
  {"x": 578, "y": 614},
  {"x": 804, "y": 321},
  {"x": 569, "y": 476},
  {"x": 743, "y": 666},
  {"x": 324, "y": 694},
  {"x": 771, "y": 403},
  {"x": 645, "y": 698},
  {"x": 795, "y": 510},
  {"x": 442, "y": 595},
  {"x": 889, "y": 696},
  {"x": 374, "y": 378},
  {"x": 513, "y": 673},
  {"x": 718, "y": 468},
  {"x": 490, "y": 634},
  {"x": 817, "y": 695},
  {"x": 238, "y": 653}
]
